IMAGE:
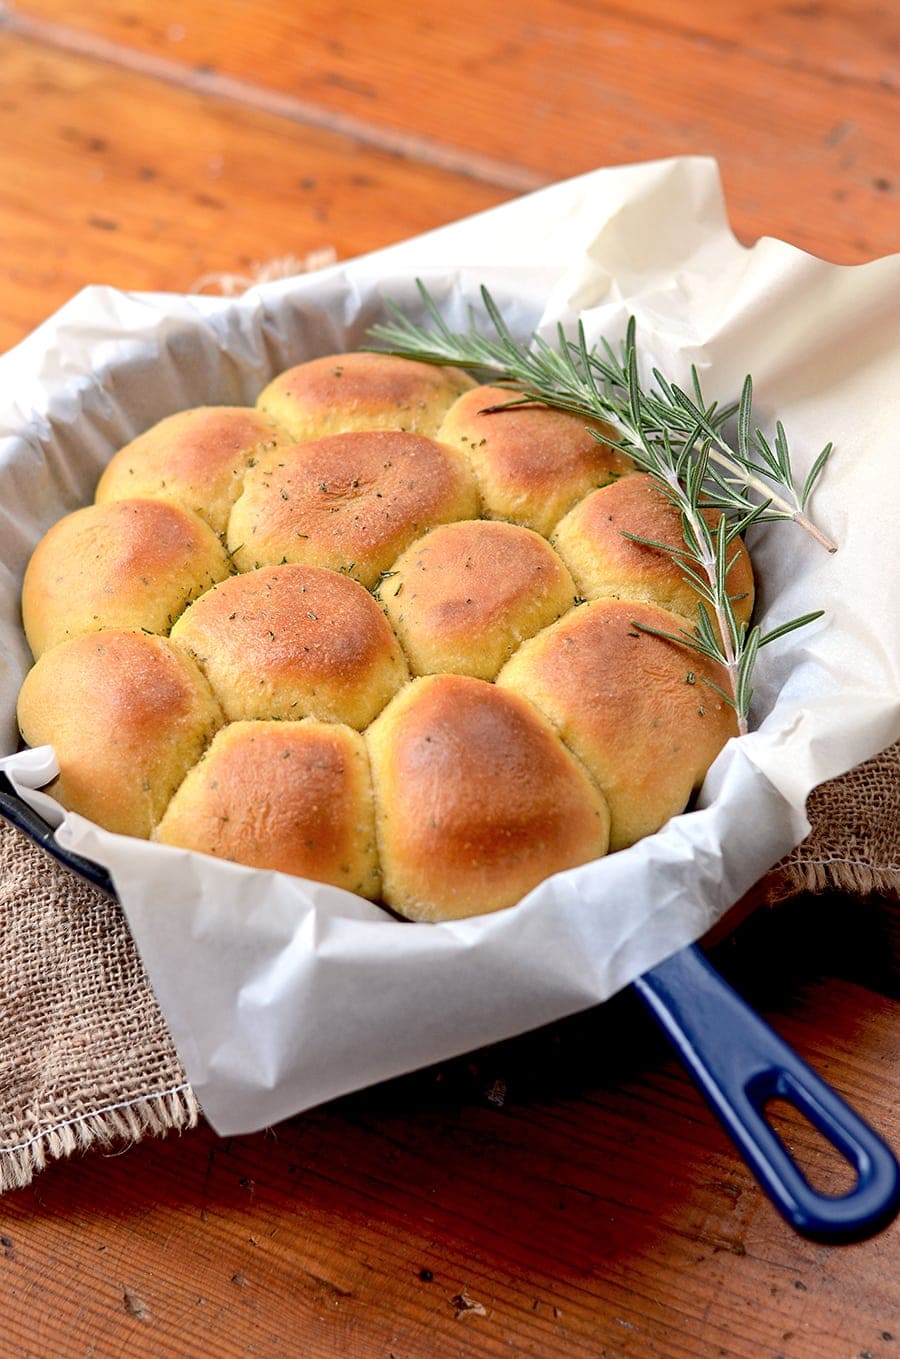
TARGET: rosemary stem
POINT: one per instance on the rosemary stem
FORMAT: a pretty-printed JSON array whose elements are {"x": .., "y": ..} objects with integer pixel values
[
  {"x": 725, "y": 458},
  {"x": 585, "y": 404},
  {"x": 707, "y": 561},
  {"x": 638, "y": 438},
  {"x": 820, "y": 537}
]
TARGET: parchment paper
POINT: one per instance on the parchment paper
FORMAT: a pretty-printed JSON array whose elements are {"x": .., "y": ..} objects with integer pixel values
[{"x": 279, "y": 993}]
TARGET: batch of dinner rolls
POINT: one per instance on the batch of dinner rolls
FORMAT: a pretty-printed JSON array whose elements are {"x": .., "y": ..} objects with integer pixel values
[{"x": 375, "y": 632}]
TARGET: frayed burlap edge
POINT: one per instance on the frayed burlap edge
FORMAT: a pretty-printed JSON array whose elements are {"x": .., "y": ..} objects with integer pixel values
[
  {"x": 844, "y": 875},
  {"x": 119, "y": 1125},
  {"x": 86, "y": 1059},
  {"x": 853, "y": 845}
]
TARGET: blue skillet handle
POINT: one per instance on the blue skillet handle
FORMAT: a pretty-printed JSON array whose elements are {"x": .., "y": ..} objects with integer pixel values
[
  {"x": 740, "y": 1063},
  {"x": 19, "y": 814}
]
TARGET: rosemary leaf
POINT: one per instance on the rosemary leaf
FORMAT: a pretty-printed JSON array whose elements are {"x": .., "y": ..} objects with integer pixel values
[{"x": 815, "y": 472}]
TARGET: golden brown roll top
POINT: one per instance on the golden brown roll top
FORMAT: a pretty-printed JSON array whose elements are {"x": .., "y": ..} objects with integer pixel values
[
  {"x": 341, "y": 392},
  {"x": 350, "y": 502},
  {"x": 462, "y": 598},
  {"x": 635, "y": 708},
  {"x": 292, "y": 642},
  {"x": 126, "y": 564},
  {"x": 195, "y": 458},
  {"x": 477, "y": 801},
  {"x": 532, "y": 463},
  {"x": 605, "y": 563},
  {"x": 128, "y": 714},
  {"x": 295, "y": 797}
]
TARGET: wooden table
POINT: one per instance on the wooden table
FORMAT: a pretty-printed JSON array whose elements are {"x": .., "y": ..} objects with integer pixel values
[{"x": 566, "y": 1193}]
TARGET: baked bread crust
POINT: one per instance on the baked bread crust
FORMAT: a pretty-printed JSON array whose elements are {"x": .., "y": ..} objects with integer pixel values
[
  {"x": 639, "y": 711},
  {"x": 341, "y": 392},
  {"x": 606, "y": 563},
  {"x": 276, "y": 722},
  {"x": 462, "y": 598},
  {"x": 196, "y": 458},
  {"x": 126, "y": 564},
  {"x": 295, "y": 797},
  {"x": 128, "y": 715},
  {"x": 287, "y": 642},
  {"x": 477, "y": 801},
  {"x": 351, "y": 502},
  {"x": 532, "y": 463}
]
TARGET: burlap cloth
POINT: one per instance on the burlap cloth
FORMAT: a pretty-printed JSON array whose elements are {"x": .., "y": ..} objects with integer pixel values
[{"x": 86, "y": 1059}]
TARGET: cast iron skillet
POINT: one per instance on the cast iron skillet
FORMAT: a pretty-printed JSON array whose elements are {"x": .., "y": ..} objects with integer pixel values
[{"x": 739, "y": 1063}]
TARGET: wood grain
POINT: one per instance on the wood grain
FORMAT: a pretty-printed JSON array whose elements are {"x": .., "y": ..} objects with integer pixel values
[
  {"x": 102, "y": 183},
  {"x": 522, "y": 1201},
  {"x": 798, "y": 103}
]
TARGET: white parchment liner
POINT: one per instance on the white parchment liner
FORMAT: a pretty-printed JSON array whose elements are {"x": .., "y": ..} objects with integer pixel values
[{"x": 279, "y": 993}]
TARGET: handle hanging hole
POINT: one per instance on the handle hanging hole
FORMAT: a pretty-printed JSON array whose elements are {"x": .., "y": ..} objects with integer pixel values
[{"x": 823, "y": 1166}]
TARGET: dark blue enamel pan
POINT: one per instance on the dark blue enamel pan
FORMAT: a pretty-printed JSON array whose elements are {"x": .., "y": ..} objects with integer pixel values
[{"x": 739, "y": 1063}]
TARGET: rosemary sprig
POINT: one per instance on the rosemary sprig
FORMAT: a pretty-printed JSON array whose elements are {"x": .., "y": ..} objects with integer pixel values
[
  {"x": 596, "y": 383},
  {"x": 677, "y": 438}
]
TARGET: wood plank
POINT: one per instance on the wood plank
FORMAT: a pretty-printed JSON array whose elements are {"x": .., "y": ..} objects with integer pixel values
[
  {"x": 113, "y": 178},
  {"x": 523, "y": 1200},
  {"x": 852, "y": 40},
  {"x": 548, "y": 88},
  {"x": 849, "y": 40}
]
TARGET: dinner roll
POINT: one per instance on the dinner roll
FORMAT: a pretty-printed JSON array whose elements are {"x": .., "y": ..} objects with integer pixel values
[
  {"x": 351, "y": 502},
  {"x": 342, "y": 392},
  {"x": 196, "y": 458},
  {"x": 605, "y": 563},
  {"x": 532, "y": 463},
  {"x": 127, "y": 714},
  {"x": 292, "y": 642},
  {"x": 290, "y": 796},
  {"x": 639, "y": 711},
  {"x": 463, "y": 597},
  {"x": 476, "y": 800},
  {"x": 127, "y": 564}
]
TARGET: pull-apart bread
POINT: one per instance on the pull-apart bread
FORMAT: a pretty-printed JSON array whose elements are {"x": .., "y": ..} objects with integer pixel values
[{"x": 385, "y": 630}]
